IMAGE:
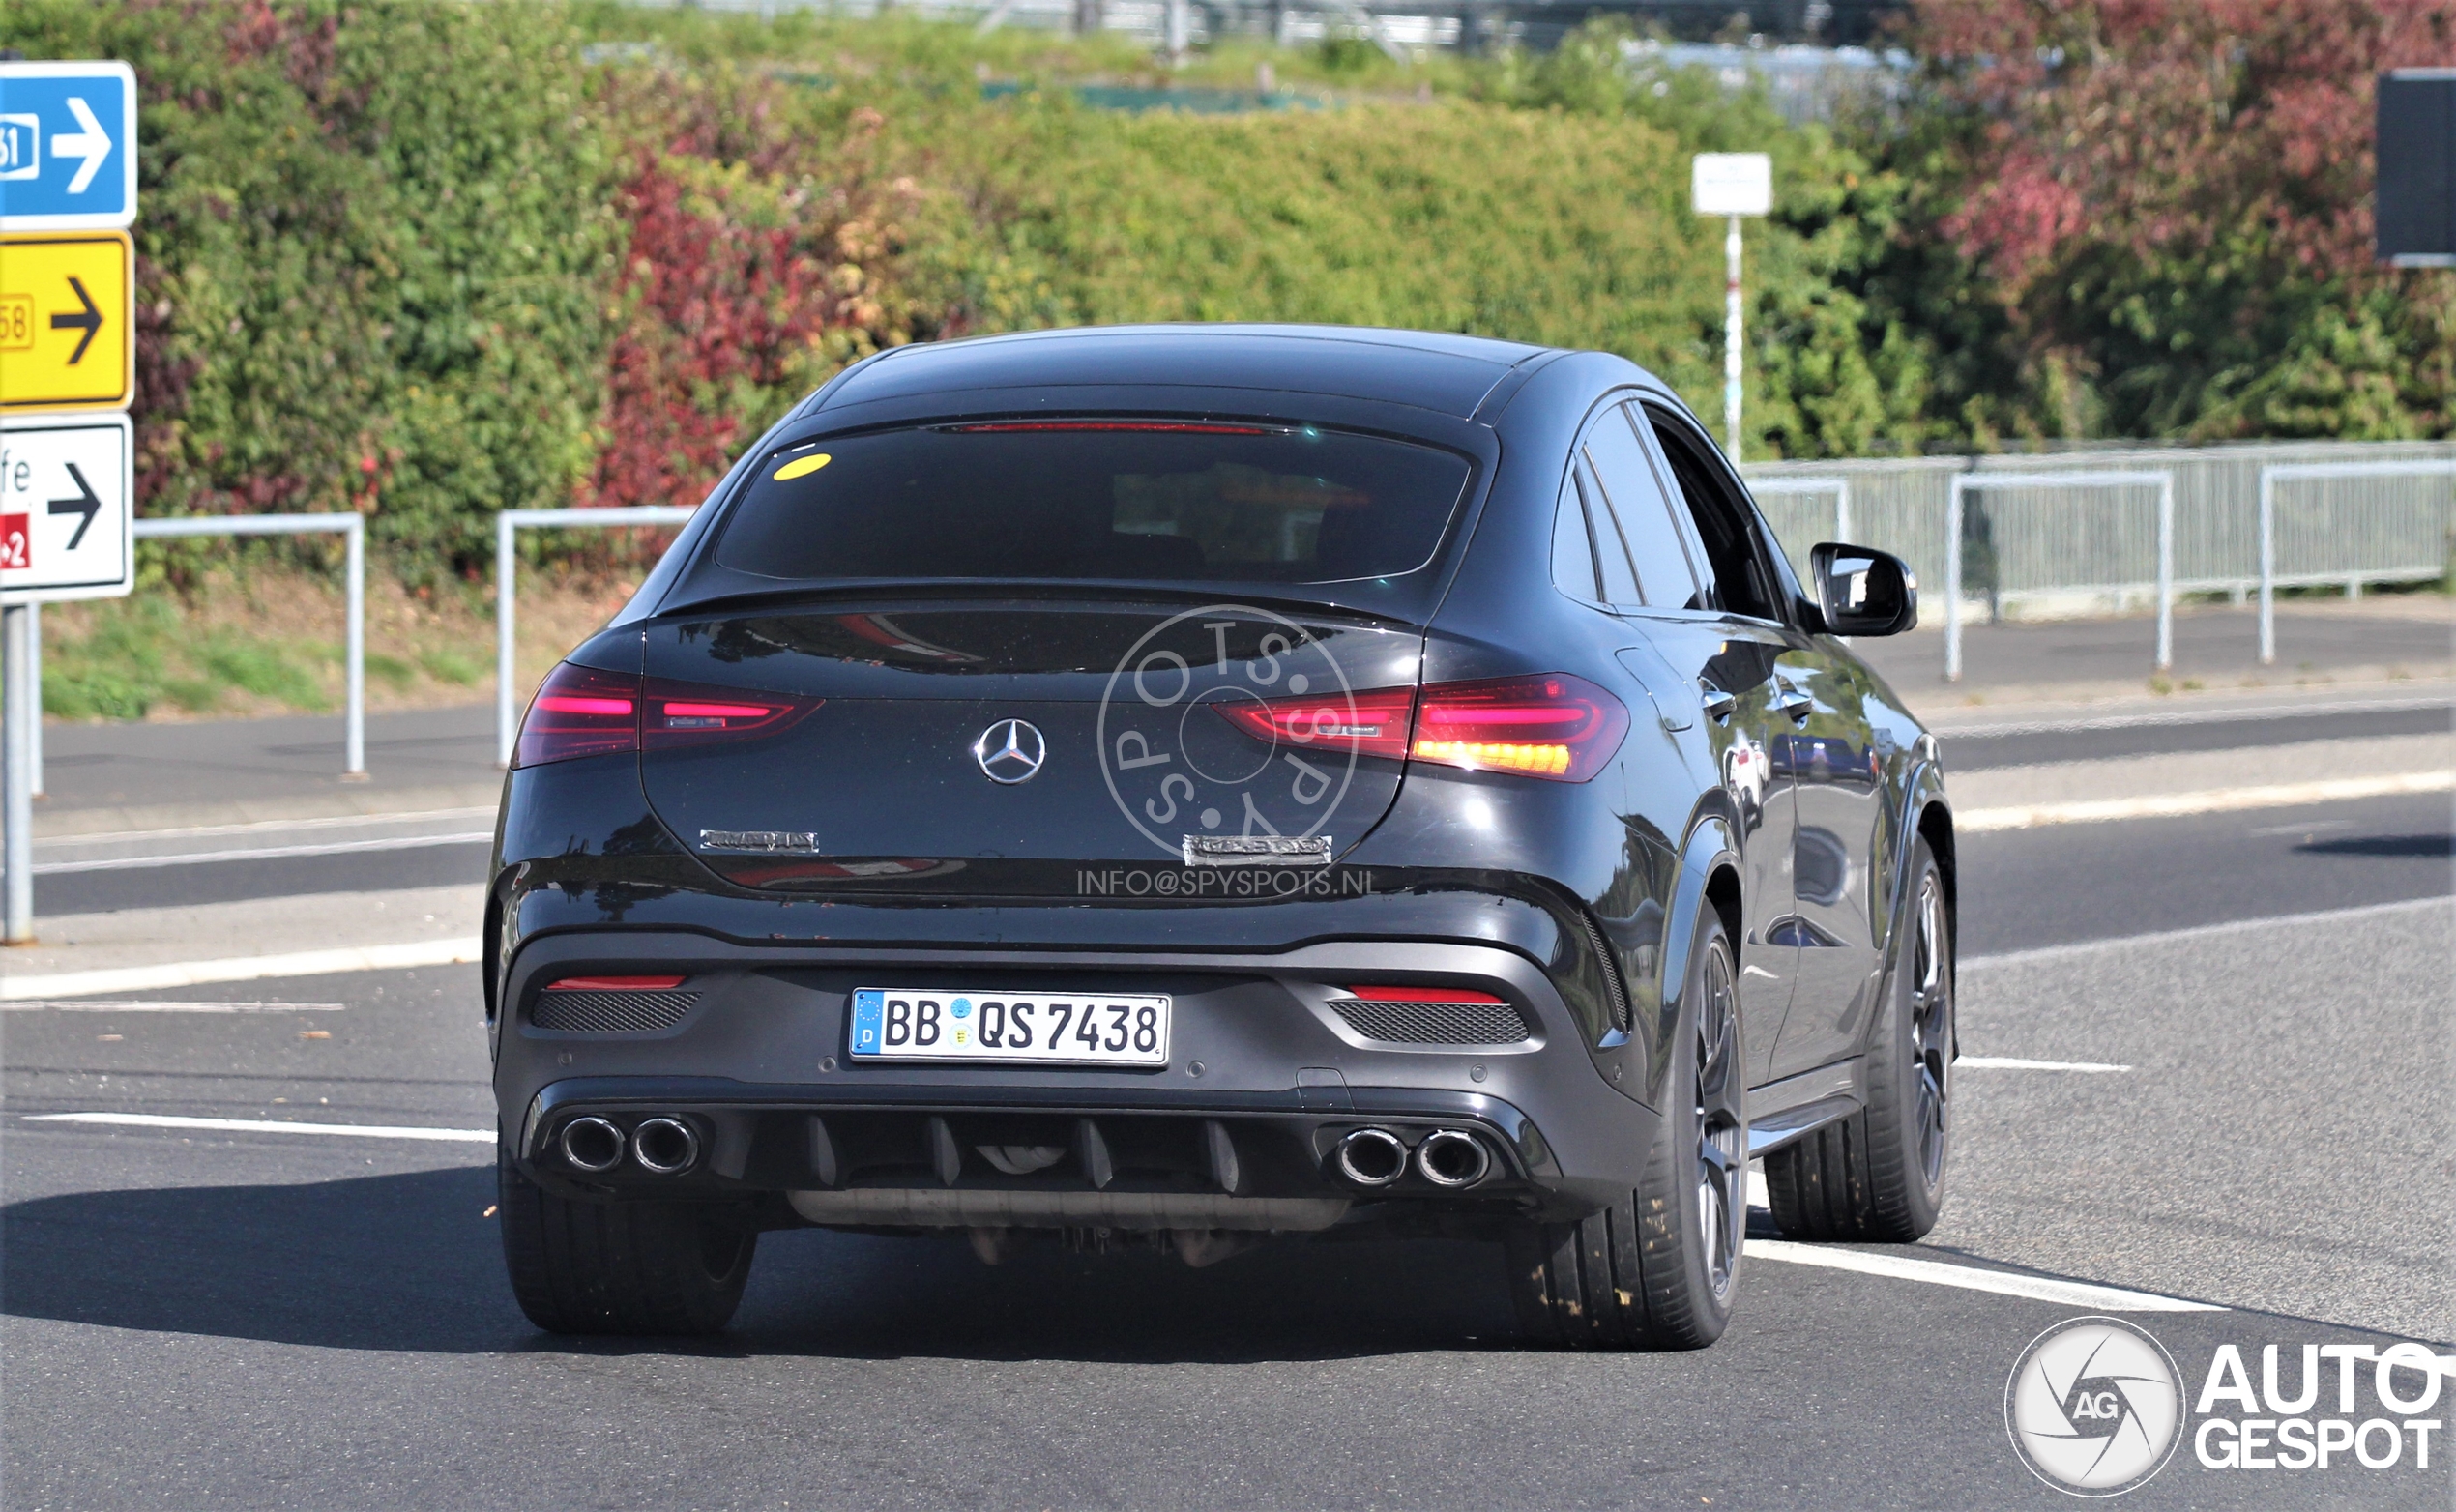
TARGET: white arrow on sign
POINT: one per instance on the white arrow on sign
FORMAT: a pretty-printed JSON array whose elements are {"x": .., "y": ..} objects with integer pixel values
[{"x": 89, "y": 142}]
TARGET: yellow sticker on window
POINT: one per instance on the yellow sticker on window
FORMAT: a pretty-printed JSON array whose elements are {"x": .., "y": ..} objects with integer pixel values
[{"x": 802, "y": 467}]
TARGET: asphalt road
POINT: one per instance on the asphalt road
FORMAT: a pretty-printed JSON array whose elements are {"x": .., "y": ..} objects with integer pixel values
[{"x": 197, "y": 1319}]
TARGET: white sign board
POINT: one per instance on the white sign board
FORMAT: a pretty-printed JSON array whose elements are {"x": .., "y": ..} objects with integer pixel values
[
  {"x": 65, "y": 486},
  {"x": 1732, "y": 184}
]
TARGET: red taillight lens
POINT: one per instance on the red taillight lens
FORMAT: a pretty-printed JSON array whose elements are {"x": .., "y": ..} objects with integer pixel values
[
  {"x": 583, "y": 712},
  {"x": 579, "y": 712},
  {"x": 1552, "y": 725},
  {"x": 615, "y": 985},
  {"x": 1371, "y": 724},
  {"x": 1420, "y": 994},
  {"x": 678, "y": 713}
]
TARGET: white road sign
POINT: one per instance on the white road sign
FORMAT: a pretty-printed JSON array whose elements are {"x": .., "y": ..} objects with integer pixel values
[
  {"x": 1732, "y": 184},
  {"x": 65, "y": 486}
]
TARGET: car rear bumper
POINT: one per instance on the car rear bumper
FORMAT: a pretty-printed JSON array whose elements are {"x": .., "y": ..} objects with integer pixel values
[{"x": 1265, "y": 1081}]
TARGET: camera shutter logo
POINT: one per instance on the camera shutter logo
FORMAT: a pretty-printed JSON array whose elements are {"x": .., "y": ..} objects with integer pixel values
[{"x": 2095, "y": 1407}]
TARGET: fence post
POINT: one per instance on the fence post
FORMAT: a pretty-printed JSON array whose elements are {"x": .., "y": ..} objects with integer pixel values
[
  {"x": 1842, "y": 512},
  {"x": 2267, "y": 566},
  {"x": 2166, "y": 573},
  {"x": 354, "y": 638},
  {"x": 16, "y": 774},
  {"x": 507, "y": 572},
  {"x": 1952, "y": 580}
]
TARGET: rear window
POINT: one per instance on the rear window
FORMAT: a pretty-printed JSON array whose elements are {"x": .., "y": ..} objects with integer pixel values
[{"x": 1147, "y": 500}]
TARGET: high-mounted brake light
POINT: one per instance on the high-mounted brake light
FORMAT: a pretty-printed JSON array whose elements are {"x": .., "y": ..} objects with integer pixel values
[
  {"x": 1164, "y": 426},
  {"x": 585, "y": 712},
  {"x": 1552, "y": 725}
]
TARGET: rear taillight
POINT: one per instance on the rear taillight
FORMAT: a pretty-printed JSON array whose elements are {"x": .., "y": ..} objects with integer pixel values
[
  {"x": 615, "y": 985},
  {"x": 584, "y": 712},
  {"x": 1553, "y": 725},
  {"x": 579, "y": 712},
  {"x": 1371, "y": 724}
]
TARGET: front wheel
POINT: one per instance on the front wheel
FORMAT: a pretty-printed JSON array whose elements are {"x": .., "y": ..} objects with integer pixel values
[
  {"x": 1658, "y": 1268},
  {"x": 1878, "y": 1177}
]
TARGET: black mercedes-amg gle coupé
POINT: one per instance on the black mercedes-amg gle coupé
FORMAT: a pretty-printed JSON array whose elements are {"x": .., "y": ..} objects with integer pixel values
[{"x": 1191, "y": 786}]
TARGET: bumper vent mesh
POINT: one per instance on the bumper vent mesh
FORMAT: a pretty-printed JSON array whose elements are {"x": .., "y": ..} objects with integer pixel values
[
  {"x": 1433, "y": 1023},
  {"x": 610, "y": 1012}
]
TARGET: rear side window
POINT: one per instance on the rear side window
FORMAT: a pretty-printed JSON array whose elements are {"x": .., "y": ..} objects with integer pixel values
[
  {"x": 1619, "y": 459},
  {"x": 1143, "y": 500}
]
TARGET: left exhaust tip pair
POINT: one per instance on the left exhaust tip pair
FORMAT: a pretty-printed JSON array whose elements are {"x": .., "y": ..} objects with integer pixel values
[{"x": 658, "y": 1145}]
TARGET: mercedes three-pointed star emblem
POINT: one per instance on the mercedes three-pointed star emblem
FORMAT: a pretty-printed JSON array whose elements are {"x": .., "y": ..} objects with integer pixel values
[{"x": 1010, "y": 751}]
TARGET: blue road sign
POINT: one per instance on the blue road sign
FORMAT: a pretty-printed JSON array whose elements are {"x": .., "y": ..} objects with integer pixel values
[{"x": 67, "y": 146}]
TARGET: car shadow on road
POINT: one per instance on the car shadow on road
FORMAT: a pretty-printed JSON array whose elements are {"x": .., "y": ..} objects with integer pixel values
[{"x": 409, "y": 1262}]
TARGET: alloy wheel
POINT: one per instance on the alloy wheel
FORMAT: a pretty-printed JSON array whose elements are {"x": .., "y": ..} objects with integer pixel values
[
  {"x": 1931, "y": 1015},
  {"x": 1722, "y": 1126}
]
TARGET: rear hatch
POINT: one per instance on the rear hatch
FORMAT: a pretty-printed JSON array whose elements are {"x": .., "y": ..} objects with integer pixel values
[{"x": 1012, "y": 748}]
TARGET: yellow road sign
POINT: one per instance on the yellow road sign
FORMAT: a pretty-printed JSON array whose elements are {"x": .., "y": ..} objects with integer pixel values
[{"x": 65, "y": 342}]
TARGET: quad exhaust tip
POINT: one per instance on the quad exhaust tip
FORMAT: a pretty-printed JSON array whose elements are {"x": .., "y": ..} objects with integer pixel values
[
  {"x": 1448, "y": 1157},
  {"x": 592, "y": 1144},
  {"x": 664, "y": 1146},
  {"x": 1372, "y": 1158}
]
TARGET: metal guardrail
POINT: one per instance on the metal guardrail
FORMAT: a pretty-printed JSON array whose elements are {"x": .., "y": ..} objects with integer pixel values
[
  {"x": 1839, "y": 487},
  {"x": 352, "y": 529},
  {"x": 1956, "y": 544},
  {"x": 506, "y": 584},
  {"x": 2276, "y": 472}
]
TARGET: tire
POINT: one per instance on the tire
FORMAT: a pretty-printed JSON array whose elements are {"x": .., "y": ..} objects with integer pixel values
[
  {"x": 627, "y": 1268},
  {"x": 1878, "y": 1177},
  {"x": 1658, "y": 1268}
]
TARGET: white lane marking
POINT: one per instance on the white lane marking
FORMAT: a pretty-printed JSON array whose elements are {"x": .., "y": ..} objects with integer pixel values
[
  {"x": 270, "y": 827},
  {"x": 2208, "y": 801},
  {"x": 2239, "y": 926},
  {"x": 405, "y": 842},
  {"x": 163, "y": 1120},
  {"x": 90, "y": 1007},
  {"x": 2014, "y": 1064},
  {"x": 244, "y": 968},
  {"x": 2235, "y": 714},
  {"x": 2036, "y": 1289}
]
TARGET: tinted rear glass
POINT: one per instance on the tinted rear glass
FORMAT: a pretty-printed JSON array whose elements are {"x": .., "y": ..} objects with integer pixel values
[{"x": 1147, "y": 501}]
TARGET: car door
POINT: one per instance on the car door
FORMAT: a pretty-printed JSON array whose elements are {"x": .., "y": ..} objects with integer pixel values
[
  {"x": 1822, "y": 753},
  {"x": 1702, "y": 639}
]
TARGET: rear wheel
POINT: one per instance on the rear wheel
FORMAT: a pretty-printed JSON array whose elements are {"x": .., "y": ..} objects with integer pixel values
[
  {"x": 1658, "y": 1268},
  {"x": 1879, "y": 1175},
  {"x": 630, "y": 1268}
]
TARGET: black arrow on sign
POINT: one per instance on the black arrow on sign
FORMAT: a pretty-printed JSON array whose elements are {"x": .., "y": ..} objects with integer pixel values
[
  {"x": 85, "y": 503},
  {"x": 89, "y": 322}
]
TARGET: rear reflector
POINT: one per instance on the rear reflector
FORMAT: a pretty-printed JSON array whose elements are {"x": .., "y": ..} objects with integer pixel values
[
  {"x": 615, "y": 985},
  {"x": 1420, "y": 994},
  {"x": 586, "y": 711},
  {"x": 1552, "y": 725}
]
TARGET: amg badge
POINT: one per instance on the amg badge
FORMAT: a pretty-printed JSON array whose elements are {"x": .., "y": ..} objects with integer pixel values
[
  {"x": 761, "y": 842},
  {"x": 1257, "y": 850}
]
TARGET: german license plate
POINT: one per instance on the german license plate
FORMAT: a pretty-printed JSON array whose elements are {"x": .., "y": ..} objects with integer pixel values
[{"x": 1009, "y": 1027}]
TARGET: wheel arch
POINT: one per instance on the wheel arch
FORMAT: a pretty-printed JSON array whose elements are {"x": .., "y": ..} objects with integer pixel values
[{"x": 1709, "y": 878}]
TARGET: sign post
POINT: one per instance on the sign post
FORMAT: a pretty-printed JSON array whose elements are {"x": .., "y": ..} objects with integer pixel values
[
  {"x": 1732, "y": 183},
  {"x": 68, "y": 194}
]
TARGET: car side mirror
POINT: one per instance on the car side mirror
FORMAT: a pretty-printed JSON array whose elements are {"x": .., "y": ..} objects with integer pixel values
[{"x": 1863, "y": 592}]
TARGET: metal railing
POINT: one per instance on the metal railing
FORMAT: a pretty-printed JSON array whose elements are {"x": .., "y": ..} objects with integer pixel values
[
  {"x": 506, "y": 584},
  {"x": 1956, "y": 544},
  {"x": 1786, "y": 525},
  {"x": 2276, "y": 472},
  {"x": 352, "y": 529}
]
